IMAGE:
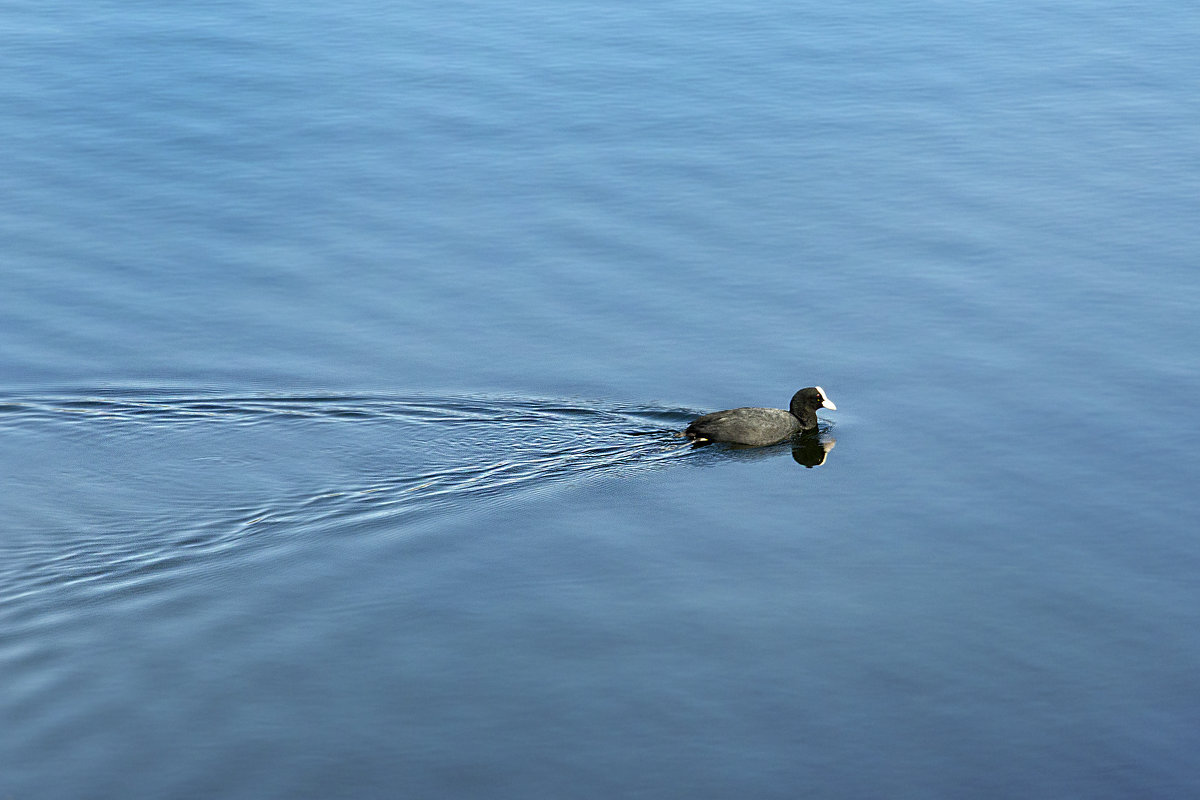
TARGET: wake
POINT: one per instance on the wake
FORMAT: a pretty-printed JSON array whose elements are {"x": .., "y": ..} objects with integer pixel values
[{"x": 364, "y": 462}]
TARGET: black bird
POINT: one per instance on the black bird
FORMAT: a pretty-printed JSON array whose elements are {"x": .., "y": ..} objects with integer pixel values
[{"x": 761, "y": 426}]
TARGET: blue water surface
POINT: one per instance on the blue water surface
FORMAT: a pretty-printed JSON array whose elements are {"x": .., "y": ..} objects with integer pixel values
[{"x": 344, "y": 348}]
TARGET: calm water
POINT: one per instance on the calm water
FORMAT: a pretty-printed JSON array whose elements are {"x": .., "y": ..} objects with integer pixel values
[{"x": 341, "y": 349}]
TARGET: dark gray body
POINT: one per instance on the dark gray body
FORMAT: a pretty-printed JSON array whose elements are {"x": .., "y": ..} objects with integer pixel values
[
  {"x": 753, "y": 426},
  {"x": 761, "y": 426}
]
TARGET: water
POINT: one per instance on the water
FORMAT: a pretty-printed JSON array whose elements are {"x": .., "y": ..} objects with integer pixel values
[{"x": 343, "y": 348}]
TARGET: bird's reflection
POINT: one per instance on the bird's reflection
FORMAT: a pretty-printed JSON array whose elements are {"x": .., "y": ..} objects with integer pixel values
[
  {"x": 808, "y": 449},
  {"x": 811, "y": 451}
]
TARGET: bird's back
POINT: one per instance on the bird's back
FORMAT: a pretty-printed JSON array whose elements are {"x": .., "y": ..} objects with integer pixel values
[{"x": 754, "y": 426}]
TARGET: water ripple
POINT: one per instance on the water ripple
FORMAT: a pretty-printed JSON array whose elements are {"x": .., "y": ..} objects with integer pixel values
[
  {"x": 449, "y": 453},
  {"x": 120, "y": 409}
]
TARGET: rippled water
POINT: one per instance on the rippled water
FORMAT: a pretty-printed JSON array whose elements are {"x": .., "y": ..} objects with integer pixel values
[
  {"x": 337, "y": 461},
  {"x": 343, "y": 353}
]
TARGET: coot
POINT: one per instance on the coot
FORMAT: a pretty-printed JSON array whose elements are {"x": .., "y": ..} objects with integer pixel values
[{"x": 761, "y": 426}]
